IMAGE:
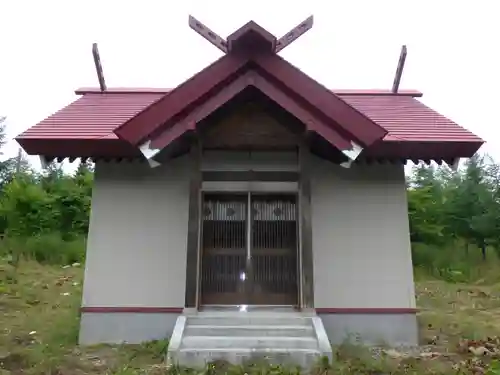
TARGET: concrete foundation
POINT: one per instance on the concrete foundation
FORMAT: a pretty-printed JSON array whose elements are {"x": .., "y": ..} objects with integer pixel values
[
  {"x": 372, "y": 329},
  {"x": 132, "y": 328}
]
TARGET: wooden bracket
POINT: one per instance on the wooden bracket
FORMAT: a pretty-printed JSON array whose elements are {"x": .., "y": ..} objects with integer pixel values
[
  {"x": 399, "y": 70},
  {"x": 208, "y": 34},
  {"x": 294, "y": 34},
  {"x": 98, "y": 67}
]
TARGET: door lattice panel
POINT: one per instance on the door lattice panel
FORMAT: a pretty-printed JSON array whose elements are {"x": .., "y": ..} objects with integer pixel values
[
  {"x": 264, "y": 274},
  {"x": 274, "y": 249}
]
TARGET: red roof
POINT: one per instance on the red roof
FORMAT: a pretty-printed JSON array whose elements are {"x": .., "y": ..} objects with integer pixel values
[
  {"x": 320, "y": 110},
  {"x": 96, "y": 115},
  {"x": 117, "y": 121},
  {"x": 408, "y": 119},
  {"x": 92, "y": 116}
]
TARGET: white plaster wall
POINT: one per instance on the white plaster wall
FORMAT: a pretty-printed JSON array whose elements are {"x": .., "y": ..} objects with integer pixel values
[
  {"x": 136, "y": 251},
  {"x": 361, "y": 244}
]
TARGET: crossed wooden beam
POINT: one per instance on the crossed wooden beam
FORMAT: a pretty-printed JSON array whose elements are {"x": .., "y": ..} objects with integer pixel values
[
  {"x": 222, "y": 45},
  {"x": 281, "y": 43}
]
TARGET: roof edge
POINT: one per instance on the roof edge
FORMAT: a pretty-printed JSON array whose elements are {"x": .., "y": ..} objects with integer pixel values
[
  {"x": 377, "y": 92},
  {"x": 154, "y": 90},
  {"x": 122, "y": 90}
]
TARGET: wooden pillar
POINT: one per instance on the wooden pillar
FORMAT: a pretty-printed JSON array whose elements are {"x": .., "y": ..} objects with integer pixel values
[
  {"x": 193, "y": 240},
  {"x": 307, "y": 268}
]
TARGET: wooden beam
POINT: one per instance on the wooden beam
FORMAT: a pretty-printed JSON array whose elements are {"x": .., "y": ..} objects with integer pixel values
[
  {"x": 399, "y": 70},
  {"x": 294, "y": 34},
  {"x": 269, "y": 89},
  {"x": 306, "y": 249},
  {"x": 276, "y": 176},
  {"x": 98, "y": 67},
  {"x": 193, "y": 234},
  {"x": 350, "y": 122},
  {"x": 150, "y": 120},
  {"x": 204, "y": 110},
  {"x": 208, "y": 34}
]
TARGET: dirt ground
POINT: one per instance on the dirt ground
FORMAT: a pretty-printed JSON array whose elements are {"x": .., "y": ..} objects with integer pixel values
[{"x": 460, "y": 331}]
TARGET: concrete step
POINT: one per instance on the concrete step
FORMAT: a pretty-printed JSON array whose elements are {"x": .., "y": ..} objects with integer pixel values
[
  {"x": 254, "y": 343},
  {"x": 198, "y": 357},
  {"x": 250, "y": 330},
  {"x": 262, "y": 320},
  {"x": 258, "y": 313},
  {"x": 287, "y": 338}
]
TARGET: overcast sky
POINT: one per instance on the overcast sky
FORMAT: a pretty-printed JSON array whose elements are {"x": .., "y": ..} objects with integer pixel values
[{"x": 453, "y": 50}]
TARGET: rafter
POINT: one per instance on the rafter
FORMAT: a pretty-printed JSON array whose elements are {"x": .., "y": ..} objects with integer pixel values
[
  {"x": 399, "y": 70},
  {"x": 98, "y": 67}
]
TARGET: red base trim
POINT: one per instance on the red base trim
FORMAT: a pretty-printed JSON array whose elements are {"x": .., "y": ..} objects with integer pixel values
[
  {"x": 319, "y": 310},
  {"x": 366, "y": 310},
  {"x": 141, "y": 310}
]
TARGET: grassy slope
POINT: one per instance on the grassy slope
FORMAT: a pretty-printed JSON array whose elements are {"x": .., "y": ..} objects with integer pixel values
[{"x": 39, "y": 327}]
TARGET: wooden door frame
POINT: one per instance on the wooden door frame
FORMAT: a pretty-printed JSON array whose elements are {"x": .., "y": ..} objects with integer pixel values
[
  {"x": 305, "y": 225},
  {"x": 234, "y": 182},
  {"x": 289, "y": 189},
  {"x": 194, "y": 226}
]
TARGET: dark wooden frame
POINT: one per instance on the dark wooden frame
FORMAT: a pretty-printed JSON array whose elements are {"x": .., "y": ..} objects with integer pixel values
[
  {"x": 306, "y": 250},
  {"x": 278, "y": 176},
  {"x": 193, "y": 235},
  {"x": 199, "y": 265},
  {"x": 305, "y": 275},
  {"x": 311, "y": 118}
]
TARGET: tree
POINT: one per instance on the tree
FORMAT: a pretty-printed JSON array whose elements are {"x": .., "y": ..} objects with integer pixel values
[
  {"x": 425, "y": 206},
  {"x": 10, "y": 166},
  {"x": 464, "y": 206}
]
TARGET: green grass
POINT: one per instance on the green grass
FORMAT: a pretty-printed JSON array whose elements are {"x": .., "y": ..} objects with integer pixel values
[{"x": 39, "y": 327}]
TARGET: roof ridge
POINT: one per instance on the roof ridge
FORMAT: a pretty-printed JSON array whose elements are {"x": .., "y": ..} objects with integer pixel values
[{"x": 159, "y": 90}]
